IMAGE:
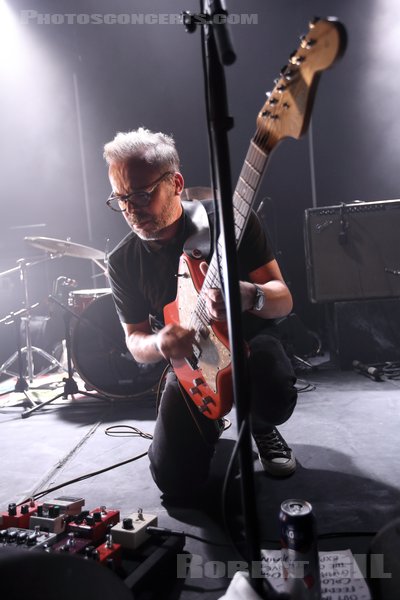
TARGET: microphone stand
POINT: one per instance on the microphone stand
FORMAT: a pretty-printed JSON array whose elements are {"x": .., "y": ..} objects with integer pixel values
[{"x": 217, "y": 50}]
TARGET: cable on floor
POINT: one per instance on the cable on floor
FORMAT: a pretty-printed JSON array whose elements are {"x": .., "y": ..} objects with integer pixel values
[
  {"x": 126, "y": 431},
  {"x": 39, "y": 495},
  {"x": 305, "y": 386}
]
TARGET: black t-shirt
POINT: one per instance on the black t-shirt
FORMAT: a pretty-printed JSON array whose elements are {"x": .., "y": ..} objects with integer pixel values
[{"x": 143, "y": 274}]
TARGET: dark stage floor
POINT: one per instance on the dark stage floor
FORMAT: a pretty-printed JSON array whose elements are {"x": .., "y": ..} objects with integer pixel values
[{"x": 344, "y": 433}]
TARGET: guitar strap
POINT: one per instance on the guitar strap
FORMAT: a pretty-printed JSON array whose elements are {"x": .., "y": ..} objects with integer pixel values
[{"x": 198, "y": 243}]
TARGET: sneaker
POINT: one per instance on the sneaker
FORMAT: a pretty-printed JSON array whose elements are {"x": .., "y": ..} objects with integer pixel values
[{"x": 275, "y": 455}]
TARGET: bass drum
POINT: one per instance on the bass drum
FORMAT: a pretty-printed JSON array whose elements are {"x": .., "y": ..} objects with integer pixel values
[{"x": 101, "y": 358}]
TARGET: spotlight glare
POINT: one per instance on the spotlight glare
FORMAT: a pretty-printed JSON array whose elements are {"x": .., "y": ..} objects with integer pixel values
[{"x": 9, "y": 30}]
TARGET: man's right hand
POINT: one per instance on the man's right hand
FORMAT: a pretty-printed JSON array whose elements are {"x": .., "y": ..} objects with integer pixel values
[{"x": 173, "y": 341}]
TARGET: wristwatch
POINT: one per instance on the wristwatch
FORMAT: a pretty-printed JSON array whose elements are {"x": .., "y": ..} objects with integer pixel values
[{"x": 259, "y": 299}]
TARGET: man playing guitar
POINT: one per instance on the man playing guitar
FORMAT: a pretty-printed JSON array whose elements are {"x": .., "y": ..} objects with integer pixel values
[{"x": 143, "y": 268}]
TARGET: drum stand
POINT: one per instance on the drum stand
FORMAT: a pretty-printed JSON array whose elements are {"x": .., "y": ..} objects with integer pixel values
[
  {"x": 28, "y": 349},
  {"x": 21, "y": 385},
  {"x": 70, "y": 386}
]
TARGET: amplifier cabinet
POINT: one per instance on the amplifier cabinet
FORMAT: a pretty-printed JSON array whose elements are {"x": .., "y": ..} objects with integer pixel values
[
  {"x": 353, "y": 251},
  {"x": 364, "y": 330}
]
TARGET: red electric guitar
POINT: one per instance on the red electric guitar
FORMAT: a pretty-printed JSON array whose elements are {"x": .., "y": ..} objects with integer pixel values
[{"x": 206, "y": 375}]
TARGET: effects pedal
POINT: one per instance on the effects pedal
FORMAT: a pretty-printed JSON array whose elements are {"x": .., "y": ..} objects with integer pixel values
[
  {"x": 94, "y": 524},
  {"x": 131, "y": 532},
  {"x": 109, "y": 553},
  {"x": 48, "y": 518},
  {"x": 18, "y": 516},
  {"x": 68, "y": 505},
  {"x": 27, "y": 539},
  {"x": 70, "y": 544}
]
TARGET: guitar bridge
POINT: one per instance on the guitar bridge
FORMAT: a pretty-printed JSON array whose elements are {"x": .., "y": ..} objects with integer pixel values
[{"x": 206, "y": 401}]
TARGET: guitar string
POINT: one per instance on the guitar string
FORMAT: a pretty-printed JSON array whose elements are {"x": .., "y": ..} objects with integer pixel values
[
  {"x": 255, "y": 157},
  {"x": 249, "y": 179}
]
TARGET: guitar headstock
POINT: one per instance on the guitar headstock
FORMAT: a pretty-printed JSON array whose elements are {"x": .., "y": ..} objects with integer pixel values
[{"x": 287, "y": 111}]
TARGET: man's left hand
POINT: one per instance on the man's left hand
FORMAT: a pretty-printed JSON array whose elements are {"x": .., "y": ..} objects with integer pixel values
[{"x": 215, "y": 302}]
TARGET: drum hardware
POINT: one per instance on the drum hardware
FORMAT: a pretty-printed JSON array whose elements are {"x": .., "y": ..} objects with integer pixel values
[
  {"x": 60, "y": 248},
  {"x": 96, "y": 350},
  {"x": 25, "y": 315},
  {"x": 21, "y": 385},
  {"x": 63, "y": 281},
  {"x": 70, "y": 385}
]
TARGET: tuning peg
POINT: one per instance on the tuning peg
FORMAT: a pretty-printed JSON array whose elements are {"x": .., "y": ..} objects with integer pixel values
[
  {"x": 313, "y": 22},
  {"x": 297, "y": 60},
  {"x": 306, "y": 43},
  {"x": 287, "y": 73}
]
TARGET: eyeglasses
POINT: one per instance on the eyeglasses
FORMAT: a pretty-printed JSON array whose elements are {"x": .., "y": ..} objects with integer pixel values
[{"x": 138, "y": 199}]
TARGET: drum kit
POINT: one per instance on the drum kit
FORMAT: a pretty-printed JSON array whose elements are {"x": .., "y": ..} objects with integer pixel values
[{"x": 95, "y": 343}]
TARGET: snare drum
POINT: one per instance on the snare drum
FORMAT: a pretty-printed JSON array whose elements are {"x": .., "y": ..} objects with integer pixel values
[{"x": 79, "y": 300}]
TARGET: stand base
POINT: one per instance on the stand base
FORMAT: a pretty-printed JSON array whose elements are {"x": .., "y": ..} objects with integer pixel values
[
  {"x": 54, "y": 363},
  {"x": 70, "y": 388},
  {"x": 21, "y": 385}
]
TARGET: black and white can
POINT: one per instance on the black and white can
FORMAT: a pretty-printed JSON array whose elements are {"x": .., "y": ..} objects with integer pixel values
[{"x": 300, "y": 562}]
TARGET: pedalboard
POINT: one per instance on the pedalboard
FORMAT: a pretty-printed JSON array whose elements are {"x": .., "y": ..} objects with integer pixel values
[
  {"x": 121, "y": 544},
  {"x": 61, "y": 525}
]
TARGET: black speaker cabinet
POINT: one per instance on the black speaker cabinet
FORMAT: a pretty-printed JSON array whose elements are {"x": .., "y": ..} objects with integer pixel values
[
  {"x": 364, "y": 330},
  {"x": 353, "y": 251}
]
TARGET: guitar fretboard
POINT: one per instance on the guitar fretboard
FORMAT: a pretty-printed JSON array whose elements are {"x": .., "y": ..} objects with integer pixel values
[{"x": 243, "y": 197}]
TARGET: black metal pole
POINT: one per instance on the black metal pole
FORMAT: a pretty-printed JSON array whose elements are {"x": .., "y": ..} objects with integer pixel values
[
  {"x": 21, "y": 384},
  {"x": 219, "y": 124}
]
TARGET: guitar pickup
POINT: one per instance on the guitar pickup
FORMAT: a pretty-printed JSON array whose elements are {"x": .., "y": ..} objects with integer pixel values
[
  {"x": 193, "y": 361},
  {"x": 204, "y": 332},
  {"x": 196, "y": 351}
]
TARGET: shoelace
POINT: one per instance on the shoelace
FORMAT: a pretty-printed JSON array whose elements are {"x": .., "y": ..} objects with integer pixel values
[{"x": 272, "y": 443}]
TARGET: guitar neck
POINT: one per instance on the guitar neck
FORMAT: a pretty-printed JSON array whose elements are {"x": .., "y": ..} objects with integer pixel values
[
  {"x": 243, "y": 198},
  {"x": 247, "y": 187}
]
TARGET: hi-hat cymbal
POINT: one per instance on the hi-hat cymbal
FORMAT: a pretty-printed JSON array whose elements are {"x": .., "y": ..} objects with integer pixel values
[
  {"x": 65, "y": 248},
  {"x": 197, "y": 193}
]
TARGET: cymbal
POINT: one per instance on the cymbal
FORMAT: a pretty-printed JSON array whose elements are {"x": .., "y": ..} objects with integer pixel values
[
  {"x": 65, "y": 248},
  {"x": 197, "y": 193}
]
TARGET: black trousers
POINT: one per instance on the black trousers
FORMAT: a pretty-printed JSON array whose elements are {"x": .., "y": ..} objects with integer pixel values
[{"x": 184, "y": 440}]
